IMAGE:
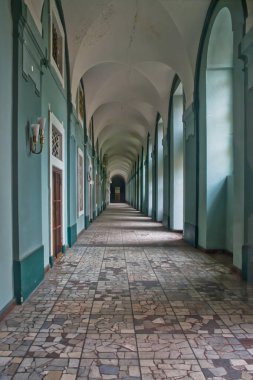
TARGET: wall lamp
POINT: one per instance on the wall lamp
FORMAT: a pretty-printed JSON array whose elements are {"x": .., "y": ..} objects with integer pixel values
[{"x": 37, "y": 135}]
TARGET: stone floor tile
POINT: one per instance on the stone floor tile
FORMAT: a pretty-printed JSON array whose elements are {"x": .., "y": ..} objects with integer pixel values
[
  {"x": 167, "y": 324},
  {"x": 110, "y": 346},
  {"x": 109, "y": 324},
  {"x": 56, "y": 345},
  {"x": 217, "y": 347},
  {"x": 231, "y": 307},
  {"x": 15, "y": 343},
  {"x": 182, "y": 295},
  {"x": 111, "y": 307},
  {"x": 9, "y": 366},
  {"x": 191, "y": 307},
  {"x": 66, "y": 323},
  {"x": 164, "y": 346},
  {"x": 130, "y": 300},
  {"x": 163, "y": 369},
  {"x": 227, "y": 369},
  {"x": 109, "y": 369},
  {"x": 71, "y": 308},
  {"x": 152, "y": 307},
  {"x": 204, "y": 324},
  {"x": 240, "y": 325},
  {"x": 51, "y": 367}
]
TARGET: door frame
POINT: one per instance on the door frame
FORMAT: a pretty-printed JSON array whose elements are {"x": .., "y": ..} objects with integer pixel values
[{"x": 58, "y": 164}]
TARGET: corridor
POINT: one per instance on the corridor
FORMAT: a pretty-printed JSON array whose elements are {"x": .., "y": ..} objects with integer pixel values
[{"x": 130, "y": 300}]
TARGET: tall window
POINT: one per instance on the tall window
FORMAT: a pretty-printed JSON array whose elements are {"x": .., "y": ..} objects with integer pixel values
[
  {"x": 57, "y": 43},
  {"x": 219, "y": 133},
  {"x": 177, "y": 161},
  {"x": 159, "y": 171},
  {"x": 80, "y": 104}
]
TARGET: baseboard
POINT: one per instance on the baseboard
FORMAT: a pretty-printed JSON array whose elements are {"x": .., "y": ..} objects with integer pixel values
[
  {"x": 87, "y": 222},
  {"x": 7, "y": 309},
  {"x": 28, "y": 274},
  {"x": 247, "y": 263},
  {"x": 209, "y": 250},
  {"x": 215, "y": 250},
  {"x": 190, "y": 234},
  {"x": 176, "y": 231},
  {"x": 72, "y": 234}
]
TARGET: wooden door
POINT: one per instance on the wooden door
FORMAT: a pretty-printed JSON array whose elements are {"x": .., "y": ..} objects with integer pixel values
[
  {"x": 57, "y": 211},
  {"x": 117, "y": 194}
]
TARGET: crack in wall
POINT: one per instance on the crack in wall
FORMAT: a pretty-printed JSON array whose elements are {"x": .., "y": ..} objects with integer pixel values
[{"x": 132, "y": 34}]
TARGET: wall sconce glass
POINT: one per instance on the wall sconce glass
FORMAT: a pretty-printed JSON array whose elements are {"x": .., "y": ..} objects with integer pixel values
[{"x": 37, "y": 136}]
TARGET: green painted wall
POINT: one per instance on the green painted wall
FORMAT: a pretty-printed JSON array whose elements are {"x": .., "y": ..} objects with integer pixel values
[
  {"x": 29, "y": 190},
  {"x": 27, "y": 185},
  {"x": 247, "y": 251},
  {"x": 190, "y": 173},
  {"x": 54, "y": 98},
  {"x": 6, "y": 254},
  {"x": 165, "y": 182}
]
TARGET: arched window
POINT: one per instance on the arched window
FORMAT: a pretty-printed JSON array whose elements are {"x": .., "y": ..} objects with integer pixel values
[
  {"x": 159, "y": 171},
  {"x": 177, "y": 160},
  {"x": 149, "y": 177},
  {"x": 217, "y": 230}
]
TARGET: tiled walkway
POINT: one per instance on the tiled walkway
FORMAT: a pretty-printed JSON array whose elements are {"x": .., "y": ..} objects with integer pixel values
[{"x": 131, "y": 301}]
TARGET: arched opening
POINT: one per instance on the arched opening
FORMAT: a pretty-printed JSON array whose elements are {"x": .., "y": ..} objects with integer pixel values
[
  {"x": 159, "y": 171},
  {"x": 177, "y": 159},
  {"x": 216, "y": 187},
  {"x": 117, "y": 189},
  {"x": 149, "y": 179}
]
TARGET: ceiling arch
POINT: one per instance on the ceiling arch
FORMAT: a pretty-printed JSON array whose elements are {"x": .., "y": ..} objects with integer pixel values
[
  {"x": 130, "y": 31},
  {"x": 122, "y": 131},
  {"x": 127, "y": 52},
  {"x": 123, "y": 84},
  {"x": 118, "y": 112},
  {"x": 119, "y": 172}
]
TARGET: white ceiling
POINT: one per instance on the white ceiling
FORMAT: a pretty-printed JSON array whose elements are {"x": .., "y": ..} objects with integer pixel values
[{"x": 127, "y": 52}]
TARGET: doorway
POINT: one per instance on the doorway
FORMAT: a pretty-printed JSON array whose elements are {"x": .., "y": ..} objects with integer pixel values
[
  {"x": 117, "y": 189},
  {"x": 57, "y": 211}
]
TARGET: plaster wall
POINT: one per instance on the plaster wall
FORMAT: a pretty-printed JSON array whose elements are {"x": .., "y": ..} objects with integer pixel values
[
  {"x": 29, "y": 190},
  {"x": 6, "y": 253},
  {"x": 219, "y": 156}
]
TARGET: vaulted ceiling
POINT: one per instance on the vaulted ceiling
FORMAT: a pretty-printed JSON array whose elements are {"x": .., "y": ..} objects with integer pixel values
[{"x": 127, "y": 52}]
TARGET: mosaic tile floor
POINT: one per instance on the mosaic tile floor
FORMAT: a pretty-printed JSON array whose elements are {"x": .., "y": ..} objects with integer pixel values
[{"x": 131, "y": 301}]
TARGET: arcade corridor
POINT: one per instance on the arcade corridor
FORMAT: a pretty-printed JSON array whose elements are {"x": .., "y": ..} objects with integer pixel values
[{"x": 130, "y": 300}]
